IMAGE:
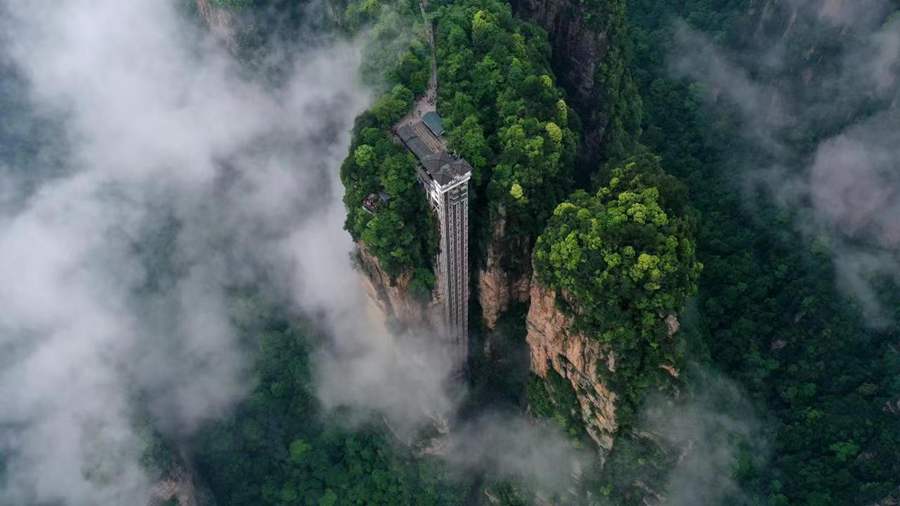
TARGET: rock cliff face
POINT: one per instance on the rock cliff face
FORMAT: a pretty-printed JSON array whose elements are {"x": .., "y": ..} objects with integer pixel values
[
  {"x": 221, "y": 22},
  {"x": 497, "y": 288},
  {"x": 576, "y": 358},
  {"x": 178, "y": 487},
  {"x": 578, "y": 51},
  {"x": 580, "y": 48},
  {"x": 583, "y": 361},
  {"x": 394, "y": 297},
  {"x": 585, "y": 48}
]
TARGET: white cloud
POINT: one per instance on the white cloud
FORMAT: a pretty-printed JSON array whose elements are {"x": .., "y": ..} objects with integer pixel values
[{"x": 174, "y": 159}]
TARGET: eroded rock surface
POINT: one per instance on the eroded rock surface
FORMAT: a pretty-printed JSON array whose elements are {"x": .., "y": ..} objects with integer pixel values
[
  {"x": 579, "y": 359},
  {"x": 497, "y": 289},
  {"x": 221, "y": 22},
  {"x": 580, "y": 34},
  {"x": 394, "y": 298}
]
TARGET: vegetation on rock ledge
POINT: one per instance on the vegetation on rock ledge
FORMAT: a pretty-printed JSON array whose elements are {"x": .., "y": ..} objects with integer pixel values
[
  {"x": 504, "y": 112},
  {"x": 623, "y": 259}
]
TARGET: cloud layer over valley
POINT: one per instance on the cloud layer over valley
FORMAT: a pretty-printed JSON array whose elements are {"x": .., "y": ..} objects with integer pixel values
[{"x": 177, "y": 179}]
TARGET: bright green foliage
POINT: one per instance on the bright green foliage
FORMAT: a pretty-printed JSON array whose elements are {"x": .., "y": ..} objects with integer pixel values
[
  {"x": 562, "y": 112},
  {"x": 471, "y": 144},
  {"x": 364, "y": 156},
  {"x": 392, "y": 106},
  {"x": 504, "y": 113},
  {"x": 624, "y": 259},
  {"x": 484, "y": 27},
  {"x": 554, "y": 132},
  {"x": 516, "y": 191},
  {"x": 400, "y": 233}
]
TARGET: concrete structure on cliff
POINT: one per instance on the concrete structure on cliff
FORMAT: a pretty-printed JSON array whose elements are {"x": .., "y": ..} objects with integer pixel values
[{"x": 445, "y": 179}]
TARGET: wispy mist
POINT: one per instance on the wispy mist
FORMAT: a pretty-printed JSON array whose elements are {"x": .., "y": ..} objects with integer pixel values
[
  {"x": 180, "y": 180},
  {"x": 176, "y": 178},
  {"x": 844, "y": 191},
  {"x": 705, "y": 430},
  {"x": 513, "y": 447}
]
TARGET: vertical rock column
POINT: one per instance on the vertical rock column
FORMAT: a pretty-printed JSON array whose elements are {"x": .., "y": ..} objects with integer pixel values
[{"x": 577, "y": 358}]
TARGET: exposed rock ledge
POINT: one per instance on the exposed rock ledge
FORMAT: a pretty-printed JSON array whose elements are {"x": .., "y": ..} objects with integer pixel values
[
  {"x": 496, "y": 288},
  {"x": 575, "y": 357},
  {"x": 220, "y": 21},
  {"x": 393, "y": 296},
  {"x": 182, "y": 485}
]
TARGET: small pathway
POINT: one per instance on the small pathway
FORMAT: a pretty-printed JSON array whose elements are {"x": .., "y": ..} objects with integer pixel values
[
  {"x": 427, "y": 102},
  {"x": 431, "y": 94}
]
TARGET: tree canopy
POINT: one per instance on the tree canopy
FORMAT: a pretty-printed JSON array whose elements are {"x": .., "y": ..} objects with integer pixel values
[
  {"x": 504, "y": 111},
  {"x": 622, "y": 260}
]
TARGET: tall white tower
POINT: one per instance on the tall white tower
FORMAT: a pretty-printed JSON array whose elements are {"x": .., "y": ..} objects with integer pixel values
[{"x": 445, "y": 179}]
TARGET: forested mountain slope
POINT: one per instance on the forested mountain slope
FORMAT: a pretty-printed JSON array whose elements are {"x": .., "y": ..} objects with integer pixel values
[
  {"x": 685, "y": 233},
  {"x": 775, "y": 313}
]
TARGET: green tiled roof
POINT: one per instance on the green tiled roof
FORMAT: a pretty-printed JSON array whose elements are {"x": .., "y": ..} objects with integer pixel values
[{"x": 434, "y": 123}]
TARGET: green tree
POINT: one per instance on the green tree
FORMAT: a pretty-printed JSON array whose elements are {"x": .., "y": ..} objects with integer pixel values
[
  {"x": 329, "y": 498},
  {"x": 298, "y": 450},
  {"x": 364, "y": 156},
  {"x": 471, "y": 144}
]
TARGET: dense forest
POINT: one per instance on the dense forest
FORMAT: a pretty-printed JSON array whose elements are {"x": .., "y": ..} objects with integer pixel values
[
  {"x": 503, "y": 114},
  {"x": 772, "y": 315},
  {"x": 668, "y": 203},
  {"x": 767, "y": 313}
]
